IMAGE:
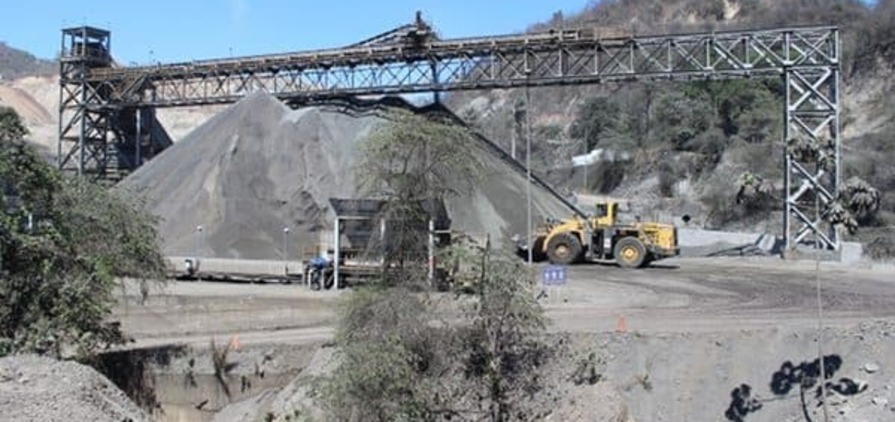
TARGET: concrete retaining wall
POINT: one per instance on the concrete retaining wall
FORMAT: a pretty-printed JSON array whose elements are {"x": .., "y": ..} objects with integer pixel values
[
  {"x": 701, "y": 243},
  {"x": 247, "y": 268}
]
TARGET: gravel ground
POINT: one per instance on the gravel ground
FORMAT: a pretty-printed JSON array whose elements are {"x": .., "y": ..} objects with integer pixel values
[
  {"x": 34, "y": 388},
  {"x": 677, "y": 295}
]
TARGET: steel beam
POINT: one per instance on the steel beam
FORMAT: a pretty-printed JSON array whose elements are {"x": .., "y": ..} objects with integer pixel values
[{"x": 561, "y": 58}]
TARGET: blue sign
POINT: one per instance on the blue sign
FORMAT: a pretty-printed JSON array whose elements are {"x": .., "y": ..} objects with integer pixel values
[{"x": 553, "y": 275}]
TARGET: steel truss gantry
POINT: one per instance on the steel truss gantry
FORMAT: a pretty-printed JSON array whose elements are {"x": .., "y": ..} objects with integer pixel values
[
  {"x": 100, "y": 134},
  {"x": 806, "y": 58}
]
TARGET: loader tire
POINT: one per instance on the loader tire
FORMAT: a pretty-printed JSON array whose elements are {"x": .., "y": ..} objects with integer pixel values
[
  {"x": 630, "y": 252},
  {"x": 564, "y": 249},
  {"x": 537, "y": 250}
]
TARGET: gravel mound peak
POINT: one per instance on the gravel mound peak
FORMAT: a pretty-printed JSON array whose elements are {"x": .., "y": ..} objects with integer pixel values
[
  {"x": 259, "y": 167},
  {"x": 34, "y": 388}
]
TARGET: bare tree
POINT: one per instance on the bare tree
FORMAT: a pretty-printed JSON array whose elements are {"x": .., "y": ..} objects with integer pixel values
[
  {"x": 405, "y": 354},
  {"x": 505, "y": 350},
  {"x": 412, "y": 160}
]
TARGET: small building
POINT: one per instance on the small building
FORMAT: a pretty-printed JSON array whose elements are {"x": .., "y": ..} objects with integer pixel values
[{"x": 365, "y": 231}]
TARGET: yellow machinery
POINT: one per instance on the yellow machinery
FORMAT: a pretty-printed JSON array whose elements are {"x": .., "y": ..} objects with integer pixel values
[{"x": 601, "y": 238}]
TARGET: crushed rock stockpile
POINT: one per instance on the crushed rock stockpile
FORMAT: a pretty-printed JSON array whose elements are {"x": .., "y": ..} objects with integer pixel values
[
  {"x": 258, "y": 167},
  {"x": 34, "y": 388}
]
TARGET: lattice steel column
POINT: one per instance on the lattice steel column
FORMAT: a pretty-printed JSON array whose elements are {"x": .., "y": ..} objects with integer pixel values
[
  {"x": 83, "y": 122},
  {"x": 812, "y": 163},
  {"x": 104, "y": 131}
]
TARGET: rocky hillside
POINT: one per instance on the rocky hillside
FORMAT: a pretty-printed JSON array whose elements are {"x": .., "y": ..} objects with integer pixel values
[
  {"x": 16, "y": 63},
  {"x": 685, "y": 147}
]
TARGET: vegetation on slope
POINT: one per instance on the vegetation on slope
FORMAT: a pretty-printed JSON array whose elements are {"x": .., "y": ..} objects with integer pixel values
[
  {"x": 695, "y": 145},
  {"x": 16, "y": 63}
]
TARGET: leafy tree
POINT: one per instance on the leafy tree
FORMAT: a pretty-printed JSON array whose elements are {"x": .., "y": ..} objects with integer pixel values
[
  {"x": 413, "y": 157},
  {"x": 11, "y": 127},
  {"x": 598, "y": 119},
  {"x": 63, "y": 241},
  {"x": 745, "y": 200},
  {"x": 742, "y": 106},
  {"x": 682, "y": 118},
  {"x": 547, "y": 132}
]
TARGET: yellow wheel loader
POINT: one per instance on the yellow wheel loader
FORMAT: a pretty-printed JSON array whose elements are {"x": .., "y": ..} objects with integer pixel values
[{"x": 602, "y": 238}]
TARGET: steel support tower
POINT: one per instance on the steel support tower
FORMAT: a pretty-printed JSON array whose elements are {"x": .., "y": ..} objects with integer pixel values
[
  {"x": 102, "y": 133},
  {"x": 101, "y": 100}
]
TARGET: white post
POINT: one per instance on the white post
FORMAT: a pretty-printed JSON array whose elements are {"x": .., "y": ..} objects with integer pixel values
[
  {"x": 431, "y": 250},
  {"x": 528, "y": 162},
  {"x": 139, "y": 118},
  {"x": 198, "y": 246},
  {"x": 286, "y": 252},
  {"x": 513, "y": 140},
  {"x": 336, "y": 253},
  {"x": 586, "y": 160},
  {"x": 382, "y": 242}
]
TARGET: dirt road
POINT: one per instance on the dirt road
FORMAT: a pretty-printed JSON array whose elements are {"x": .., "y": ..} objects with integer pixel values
[
  {"x": 680, "y": 295},
  {"x": 720, "y": 294}
]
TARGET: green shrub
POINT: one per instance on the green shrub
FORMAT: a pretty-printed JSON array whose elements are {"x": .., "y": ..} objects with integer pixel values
[{"x": 63, "y": 241}]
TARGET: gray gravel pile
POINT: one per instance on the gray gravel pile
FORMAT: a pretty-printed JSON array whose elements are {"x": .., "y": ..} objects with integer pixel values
[
  {"x": 259, "y": 166},
  {"x": 34, "y": 388}
]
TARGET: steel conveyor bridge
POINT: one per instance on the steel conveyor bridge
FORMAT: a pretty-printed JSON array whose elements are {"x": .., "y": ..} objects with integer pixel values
[{"x": 107, "y": 112}]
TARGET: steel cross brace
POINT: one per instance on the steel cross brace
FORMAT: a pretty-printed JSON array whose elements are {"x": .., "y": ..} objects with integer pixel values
[
  {"x": 812, "y": 114},
  {"x": 562, "y": 58}
]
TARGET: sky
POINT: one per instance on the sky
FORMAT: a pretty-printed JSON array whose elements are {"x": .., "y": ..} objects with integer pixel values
[{"x": 169, "y": 30}]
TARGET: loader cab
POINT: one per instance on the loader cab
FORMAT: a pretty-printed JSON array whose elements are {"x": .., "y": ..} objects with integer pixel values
[{"x": 606, "y": 212}]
